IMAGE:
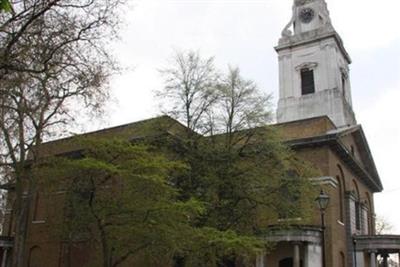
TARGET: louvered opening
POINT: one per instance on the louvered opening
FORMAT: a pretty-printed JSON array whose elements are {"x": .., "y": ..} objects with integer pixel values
[{"x": 307, "y": 82}]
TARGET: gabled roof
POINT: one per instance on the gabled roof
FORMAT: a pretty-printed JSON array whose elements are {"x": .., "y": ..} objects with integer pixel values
[
  {"x": 321, "y": 131},
  {"x": 154, "y": 127}
]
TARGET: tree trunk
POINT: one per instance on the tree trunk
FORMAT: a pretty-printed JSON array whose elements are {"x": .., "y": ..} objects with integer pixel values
[
  {"x": 21, "y": 225},
  {"x": 103, "y": 236},
  {"x": 19, "y": 239}
]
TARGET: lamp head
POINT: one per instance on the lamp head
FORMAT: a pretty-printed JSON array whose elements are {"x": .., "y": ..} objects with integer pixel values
[{"x": 322, "y": 201}]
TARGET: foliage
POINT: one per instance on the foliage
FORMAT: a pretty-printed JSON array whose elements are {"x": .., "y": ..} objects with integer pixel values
[
  {"x": 5, "y": 6},
  {"x": 121, "y": 197},
  {"x": 245, "y": 191},
  {"x": 118, "y": 195},
  {"x": 54, "y": 62},
  {"x": 251, "y": 186},
  {"x": 239, "y": 167}
]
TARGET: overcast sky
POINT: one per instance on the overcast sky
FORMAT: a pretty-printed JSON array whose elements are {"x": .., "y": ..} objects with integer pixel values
[{"x": 243, "y": 33}]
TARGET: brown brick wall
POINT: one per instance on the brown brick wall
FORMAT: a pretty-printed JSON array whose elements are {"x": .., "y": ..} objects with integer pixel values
[{"x": 49, "y": 250}]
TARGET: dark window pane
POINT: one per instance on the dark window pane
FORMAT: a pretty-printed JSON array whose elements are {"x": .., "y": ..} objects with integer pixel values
[
  {"x": 358, "y": 216},
  {"x": 307, "y": 82},
  {"x": 344, "y": 85}
]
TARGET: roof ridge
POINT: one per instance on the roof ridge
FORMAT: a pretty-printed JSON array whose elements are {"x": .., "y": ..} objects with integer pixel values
[{"x": 109, "y": 129}]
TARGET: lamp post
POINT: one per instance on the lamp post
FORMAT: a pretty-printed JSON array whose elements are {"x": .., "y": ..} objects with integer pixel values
[{"x": 322, "y": 201}]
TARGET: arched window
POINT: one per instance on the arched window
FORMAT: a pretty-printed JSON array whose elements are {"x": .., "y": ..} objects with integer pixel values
[
  {"x": 344, "y": 85},
  {"x": 342, "y": 259},
  {"x": 39, "y": 209},
  {"x": 344, "y": 78},
  {"x": 307, "y": 81},
  {"x": 341, "y": 190},
  {"x": 356, "y": 190},
  {"x": 368, "y": 216},
  {"x": 35, "y": 257},
  {"x": 357, "y": 206},
  {"x": 352, "y": 151},
  {"x": 340, "y": 197}
]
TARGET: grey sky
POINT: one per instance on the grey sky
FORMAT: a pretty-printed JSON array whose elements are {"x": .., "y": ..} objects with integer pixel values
[{"x": 243, "y": 33}]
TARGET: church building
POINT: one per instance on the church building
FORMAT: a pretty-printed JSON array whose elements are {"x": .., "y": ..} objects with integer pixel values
[
  {"x": 316, "y": 118},
  {"x": 316, "y": 115}
]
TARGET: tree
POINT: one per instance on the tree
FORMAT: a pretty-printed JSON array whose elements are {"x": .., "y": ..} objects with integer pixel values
[
  {"x": 382, "y": 226},
  {"x": 53, "y": 58},
  {"x": 5, "y": 6},
  {"x": 246, "y": 176},
  {"x": 190, "y": 89},
  {"x": 119, "y": 198},
  {"x": 241, "y": 108}
]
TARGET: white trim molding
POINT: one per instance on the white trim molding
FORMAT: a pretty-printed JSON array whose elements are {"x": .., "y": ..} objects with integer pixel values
[{"x": 325, "y": 180}]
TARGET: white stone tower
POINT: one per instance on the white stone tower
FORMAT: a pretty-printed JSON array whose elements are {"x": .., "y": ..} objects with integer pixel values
[{"x": 313, "y": 68}]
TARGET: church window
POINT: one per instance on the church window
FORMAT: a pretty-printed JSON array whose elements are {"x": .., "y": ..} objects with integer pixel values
[
  {"x": 342, "y": 190},
  {"x": 344, "y": 84},
  {"x": 357, "y": 207},
  {"x": 358, "y": 215},
  {"x": 39, "y": 209},
  {"x": 307, "y": 81},
  {"x": 290, "y": 208},
  {"x": 364, "y": 219},
  {"x": 342, "y": 259},
  {"x": 341, "y": 197},
  {"x": 35, "y": 257},
  {"x": 367, "y": 228}
]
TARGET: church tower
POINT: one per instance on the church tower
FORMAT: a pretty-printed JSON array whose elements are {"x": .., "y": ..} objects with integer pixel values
[{"x": 313, "y": 68}]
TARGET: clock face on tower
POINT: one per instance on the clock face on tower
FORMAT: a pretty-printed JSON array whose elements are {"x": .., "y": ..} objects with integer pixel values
[{"x": 306, "y": 15}]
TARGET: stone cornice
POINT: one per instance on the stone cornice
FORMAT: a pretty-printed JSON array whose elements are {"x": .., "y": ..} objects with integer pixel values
[
  {"x": 379, "y": 243},
  {"x": 332, "y": 140},
  {"x": 325, "y": 180},
  {"x": 296, "y": 234},
  {"x": 312, "y": 37}
]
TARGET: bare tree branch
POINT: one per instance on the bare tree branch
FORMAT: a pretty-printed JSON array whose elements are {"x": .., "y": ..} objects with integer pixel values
[{"x": 53, "y": 58}]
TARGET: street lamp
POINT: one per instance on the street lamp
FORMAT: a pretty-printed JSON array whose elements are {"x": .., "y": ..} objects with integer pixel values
[{"x": 322, "y": 201}]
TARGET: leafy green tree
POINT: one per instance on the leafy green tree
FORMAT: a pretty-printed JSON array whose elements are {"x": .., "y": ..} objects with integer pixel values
[
  {"x": 242, "y": 171},
  {"x": 247, "y": 188},
  {"x": 120, "y": 199}
]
